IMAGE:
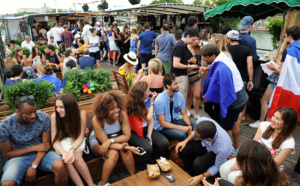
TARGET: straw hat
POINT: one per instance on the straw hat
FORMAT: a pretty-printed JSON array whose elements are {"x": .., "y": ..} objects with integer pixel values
[{"x": 131, "y": 58}]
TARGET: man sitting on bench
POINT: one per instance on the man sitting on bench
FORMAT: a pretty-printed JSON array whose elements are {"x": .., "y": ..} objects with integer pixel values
[{"x": 25, "y": 142}]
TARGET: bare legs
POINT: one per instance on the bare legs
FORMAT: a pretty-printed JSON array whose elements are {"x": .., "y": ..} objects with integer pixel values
[
  {"x": 264, "y": 104},
  {"x": 60, "y": 173},
  {"x": 82, "y": 168},
  {"x": 193, "y": 94},
  {"x": 116, "y": 54}
]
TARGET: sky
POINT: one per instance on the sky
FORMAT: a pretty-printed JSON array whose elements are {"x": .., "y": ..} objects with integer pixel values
[{"x": 10, "y": 6}]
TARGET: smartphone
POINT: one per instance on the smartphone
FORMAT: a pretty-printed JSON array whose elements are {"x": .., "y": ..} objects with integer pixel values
[{"x": 141, "y": 150}]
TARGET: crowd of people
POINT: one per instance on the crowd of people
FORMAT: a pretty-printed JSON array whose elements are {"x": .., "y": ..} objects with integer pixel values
[{"x": 187, "y": 67}]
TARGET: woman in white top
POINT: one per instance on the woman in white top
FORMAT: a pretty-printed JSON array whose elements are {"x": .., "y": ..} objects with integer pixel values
[
  {"x": 113, "y": 46},
  {"x": 92, "y": 43},
  {"x": 276, "y": 135},
  {"x": 70, "y": 55}
]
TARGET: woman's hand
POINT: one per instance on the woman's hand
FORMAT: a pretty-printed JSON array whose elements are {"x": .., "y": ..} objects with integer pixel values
[
  {"x": 235, "y": 167},
  {"x": 133, "y": 149},
  {"x": 271, "y": 57},
  {"x": 104, "y": 147},
  {"x": 154, "y": 94},
  {"x": 271, "y": 66},
  {"x": 140, "y": 73}
]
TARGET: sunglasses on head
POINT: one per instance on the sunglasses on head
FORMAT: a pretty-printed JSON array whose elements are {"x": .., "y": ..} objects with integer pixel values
[{"x": 25, "y": 98}]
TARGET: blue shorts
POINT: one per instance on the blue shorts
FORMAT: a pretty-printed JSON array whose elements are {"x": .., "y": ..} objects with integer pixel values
[
  {"x": 145, "y": 58},
  {"x": 15, "y": 168},
  {"x": 272, "y": 85},
  {"x": 107, "y": 47}
]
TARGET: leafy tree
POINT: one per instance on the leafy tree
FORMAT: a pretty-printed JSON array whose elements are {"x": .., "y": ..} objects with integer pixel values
[
  {"x": 210, "y": 3},
  {"x": 58, "y": 10},
  {"x": 166, "y": 1},
  {"x": 219, "y": 23},
  {"x": 24, "y": 13},
  {"x": 274, "y": 27}
]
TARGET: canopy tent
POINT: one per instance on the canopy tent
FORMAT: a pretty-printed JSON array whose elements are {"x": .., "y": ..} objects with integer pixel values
[
  {"x": 258, "y": 9},
  {"x": 163, "y": 8}
]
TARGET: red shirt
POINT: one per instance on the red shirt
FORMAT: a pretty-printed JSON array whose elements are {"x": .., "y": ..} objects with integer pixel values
[{"x": 67, "y": 38}]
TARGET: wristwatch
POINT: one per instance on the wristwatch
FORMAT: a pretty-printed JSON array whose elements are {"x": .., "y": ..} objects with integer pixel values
[
  {"x": 34, "y": 166},
  {"x": 112, "y": 140}
]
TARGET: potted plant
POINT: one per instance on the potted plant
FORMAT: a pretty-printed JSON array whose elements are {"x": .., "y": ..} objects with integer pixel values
[
  {"x": 41, "y": 92},
  {"x": 85, "y": 82}
]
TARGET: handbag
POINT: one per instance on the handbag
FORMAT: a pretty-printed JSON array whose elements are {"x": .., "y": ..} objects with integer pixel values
[
  {"x": 193, "y": 75},
  {"x": 37, "y": 62},
  {"x": 114, "y": 135}
]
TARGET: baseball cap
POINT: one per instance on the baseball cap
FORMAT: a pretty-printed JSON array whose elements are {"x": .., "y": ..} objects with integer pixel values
[
  {"x": 246, "y": 21},
  {"x": 209, "y": 49},
  {"x": 98, "y": 23},
  {"x": 233, "y": 35}
]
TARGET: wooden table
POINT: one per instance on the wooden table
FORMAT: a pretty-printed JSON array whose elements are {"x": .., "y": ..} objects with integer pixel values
[{"x": 141, "y": 178}]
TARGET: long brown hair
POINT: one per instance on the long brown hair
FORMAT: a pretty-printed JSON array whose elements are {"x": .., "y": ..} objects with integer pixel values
[
  {"x": 103, "y": 102},
  {"x": 70, "y": 125},
  {"x": 135, "y": 102},
  {"x": 258, "y": 166},
  {"x": 289, "y": 117},
  {"x": 34, "y": 53},
  {"x": 17, "y": 51}
]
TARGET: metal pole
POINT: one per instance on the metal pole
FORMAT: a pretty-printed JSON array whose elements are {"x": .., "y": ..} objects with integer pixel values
[
  {"x": 283, "y": 21},
  {"x": 56, "y": 6}
]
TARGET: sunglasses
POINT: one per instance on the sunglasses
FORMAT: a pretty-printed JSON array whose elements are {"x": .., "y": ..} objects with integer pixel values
[{"x": 25, "y": 98}]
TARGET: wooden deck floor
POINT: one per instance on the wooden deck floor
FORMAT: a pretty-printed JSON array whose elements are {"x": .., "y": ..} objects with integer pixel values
[{"x": 246, "y": 134}]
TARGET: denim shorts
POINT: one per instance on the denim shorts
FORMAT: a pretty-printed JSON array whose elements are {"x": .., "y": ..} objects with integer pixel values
[
  {"x": 272, "y": 85},
  {"x": 15, "y": 168}
]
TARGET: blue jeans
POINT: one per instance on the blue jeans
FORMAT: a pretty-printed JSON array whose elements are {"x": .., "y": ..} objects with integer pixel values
[
  {"x": 16, "y": 168},
  {"x": 175, "y": 133}
]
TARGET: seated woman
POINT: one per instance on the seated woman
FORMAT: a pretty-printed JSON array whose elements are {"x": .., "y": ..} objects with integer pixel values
[
  {"x": 276, "y": 135},
  {"x": 70, "y": 55},
  {"x": 37, "y": 59},
  {"x": 111, "y": 133},
  {"x": 81, "y": 45},
  {"x": 141, "y": 121},
  {"x": 46, "y": 75},
  {"x": 257, "y": 167},
  {"x": 129, "y": 67},
  {"x": 16, "y": 73},
  {"x": 68, "y": 124},
  {"x": 154, "y": 80},
  {"x": 21, "y": 60}
]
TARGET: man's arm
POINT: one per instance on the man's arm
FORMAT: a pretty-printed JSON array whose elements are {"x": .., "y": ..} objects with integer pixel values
[
  {"x": 138, "y": 47},
  {"x": 40, "y": 155},
  {"x": 58, "y": 56},
  {"x": 177, "y": 64},
  {"x": 156, "y": 50},
  {"x": 164, "y": 124},
  {"x": 250, "y": 72},
  {"x": 186, "y": 119}
]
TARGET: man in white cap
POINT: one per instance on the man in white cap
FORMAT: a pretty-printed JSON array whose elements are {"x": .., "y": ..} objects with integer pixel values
[{"x": 247, "y": 40}]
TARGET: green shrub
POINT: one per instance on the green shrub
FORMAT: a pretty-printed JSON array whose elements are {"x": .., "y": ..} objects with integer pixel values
[
  {"x": 274, "y": 27},
  {"x": 26, "y": 52},
  {"x": 41, "y": 92},
  {"x": 219, "y": 23},
  {"x": 76, "y": 79},
  {"x": 43, "y": 47},
  {"x": 19, "y": 41}
]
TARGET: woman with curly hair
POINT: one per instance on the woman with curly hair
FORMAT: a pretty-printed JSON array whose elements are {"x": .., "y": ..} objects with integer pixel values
[
  {"x": 111, "y": 133},
  {"x": 276, "y": 135},
  {"x": 142, "y": 122},
  {"x": 68, "y": 124},
  {"x": 257, "y": 166}
]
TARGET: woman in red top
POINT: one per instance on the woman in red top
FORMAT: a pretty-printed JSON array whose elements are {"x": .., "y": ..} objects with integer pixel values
[{"x": 142, "y": 122}]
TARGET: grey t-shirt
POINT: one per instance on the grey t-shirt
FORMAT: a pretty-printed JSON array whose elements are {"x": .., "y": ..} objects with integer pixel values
[
  {"x": 165, "y": 42},
  {"x": 24, "y": 136}
]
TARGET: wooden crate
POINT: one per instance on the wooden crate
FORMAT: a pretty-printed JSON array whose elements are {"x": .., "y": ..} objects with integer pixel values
[{"x": 8, "y": 62}]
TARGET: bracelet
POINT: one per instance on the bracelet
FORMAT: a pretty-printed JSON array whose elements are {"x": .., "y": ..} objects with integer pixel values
[
  {"x": 137, "y": 79},
  {"x": 123, "y": 148},
  {"x": 152, "y": 105},
  {"x": 203, "y": 176},
  {"x": 72, "y": 148}
]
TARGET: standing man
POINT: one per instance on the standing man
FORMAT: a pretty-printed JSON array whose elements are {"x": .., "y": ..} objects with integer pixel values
[
  {"x": 144, "y": 46},
  {"x": 25, "y": 143},
  {"x": 203, "y": 158},
  {"x": 242, "y": 57},
  {"x": 67, "y": 37},
  {"x": 86, "y": 30},
  {"x": 192, "y": 22},
  {"x": 56, "y": 33},
  {"x": 43, "y": 31},
  {"x": 163, "y": 48},
  {"x": 224, "y": 86},
  {"x": 287, "y": 91},
  {"x": 27, "y": 43},
  {"x": 179, "y": 63},
  {"x": 247, "y": 40}
]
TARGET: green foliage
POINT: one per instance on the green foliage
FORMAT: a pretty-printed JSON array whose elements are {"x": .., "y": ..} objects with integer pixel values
[
  {"x": 76, "y": 79},
  {"x": 58, "y": 10},
  {"x": 210, "y": 3},
  {"x": 219, "y": 23},
  {"x": 166, "y": 1},
  {"x": 41, "y": 92},
  {"x": 43, "y": 47},
  {"x": 26, "y": 52},
  {"x": 274, "y": 27},
  {"x": 19, "y": 41},
  {"x": 24, "y": 13}
]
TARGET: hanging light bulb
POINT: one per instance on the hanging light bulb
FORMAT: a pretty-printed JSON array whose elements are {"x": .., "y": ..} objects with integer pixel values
[
  {"x": 85, "y": 7},
  {"x": 103, "y": 5},
  {"x": 134, "y": 2}
]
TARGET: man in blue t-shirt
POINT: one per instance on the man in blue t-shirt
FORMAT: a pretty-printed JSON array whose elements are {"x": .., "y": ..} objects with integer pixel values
[
  {"x": 87, "y": 61},
  {"x": 25, "y": 143},
  {"x": 167, "y": 108},
  {"x": 144, "y": 46},
  {"x": 163, "y": 48}
]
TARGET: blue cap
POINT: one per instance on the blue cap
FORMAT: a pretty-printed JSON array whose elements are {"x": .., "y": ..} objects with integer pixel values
[{"x": 246, "y": 21}]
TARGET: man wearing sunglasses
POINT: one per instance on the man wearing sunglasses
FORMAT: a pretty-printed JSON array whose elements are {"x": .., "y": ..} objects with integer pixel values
[{"x": 25, "y": 143}]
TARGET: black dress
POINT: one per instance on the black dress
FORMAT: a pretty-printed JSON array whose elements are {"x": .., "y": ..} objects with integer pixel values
[{"x": 125, "y": 47}]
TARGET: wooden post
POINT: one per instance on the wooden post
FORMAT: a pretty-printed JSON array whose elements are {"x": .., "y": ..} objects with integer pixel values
[{"x": 292, "y": 18}]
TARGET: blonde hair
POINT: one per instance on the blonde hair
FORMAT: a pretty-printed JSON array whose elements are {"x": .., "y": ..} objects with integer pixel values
[
  {"x": 47, "y": 69},
  {"x": 204, "y": 34},
  {"x": 155, "y": 65},
  {"x": 220, "y": 40},
  {"x": 134, "y": 30}
]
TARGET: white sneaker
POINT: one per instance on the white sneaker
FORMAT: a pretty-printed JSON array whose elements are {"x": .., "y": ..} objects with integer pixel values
[
  {"x": 188, "y": 113},
  {"x": 255, "y": 124},
  {"x": 197, "y": 116}
]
